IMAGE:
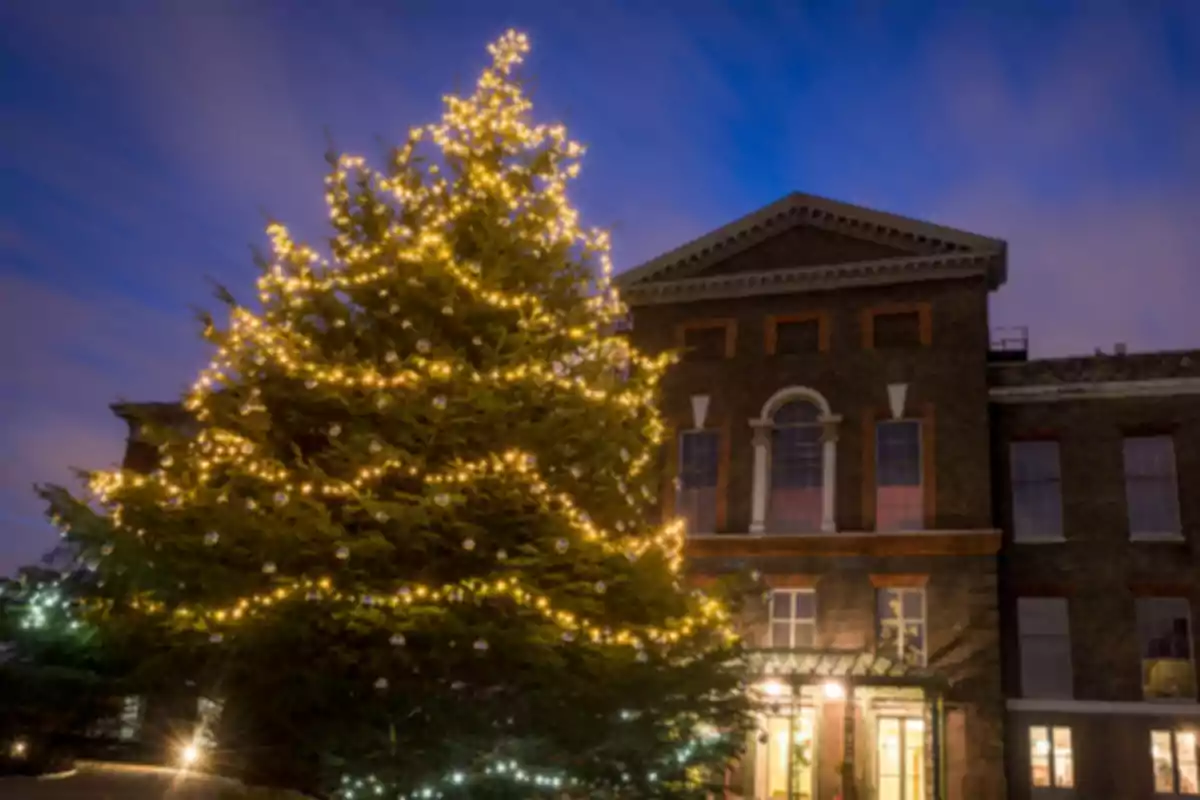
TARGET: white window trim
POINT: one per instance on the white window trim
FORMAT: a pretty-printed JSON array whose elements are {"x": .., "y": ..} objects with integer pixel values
[
  {"x": 761, "y": 484},
  {"x": 902, "y": 620},
  {"x": 1053, "y": 789},
  {"x": 793, "y": 621},
  {"x": 920, "y": 423}
]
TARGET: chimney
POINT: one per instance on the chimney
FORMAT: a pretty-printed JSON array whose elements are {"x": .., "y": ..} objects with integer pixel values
[{"x": 1119, "y": 349}]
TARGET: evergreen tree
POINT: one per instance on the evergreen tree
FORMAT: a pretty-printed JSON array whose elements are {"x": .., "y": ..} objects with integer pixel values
[{"x": 409, "y": 540}]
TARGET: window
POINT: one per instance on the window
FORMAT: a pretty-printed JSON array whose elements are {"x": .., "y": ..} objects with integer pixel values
[
  {"x": 1045, "y": 642},
  {"x": 1164, "y": 630},
  {"x": 707, "y": 343},
  {"x": 793, "y": 618},
  {"x": 1037, "y": 491},
  {"x": 793, "y": 337},
  {"x": 1051, "y": 760},
  {"x": 899, "y": 500},
  {"x": 902, "y": 625},
  {"x": 901, "y": 758},
  {"x": 1173, "y": 754},
  {"x": 896, "y": 330},
  {"x": 1151, "y": 493},
  {"x": 698, "y": 468},
  {"x": 797, "y": 468}
]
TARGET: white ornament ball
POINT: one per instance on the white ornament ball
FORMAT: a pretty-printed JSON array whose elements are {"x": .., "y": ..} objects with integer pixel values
[
  {"x": 477, "y": 341},
  {"x": 442, "y": 499},
  {"x": 382, "y": 683},
  {"x": 335, "y": 430},
  {"x": 269, "y": 568},
  {"x": 448, "y": 311},
  {"x": 343, "y": 552},
  {"x": 561, "y": 545},
  {"x": 212, "y": 537},
  {"x": 391, "y": 357},
  {"x": 281, "y": 498},
  {"x": 468, "y": 544},
  {"x": 439, "y": 402},
  {"x": 600, "y": 587},
  {"x": 568, "y": 636},
  {"x": 381, "y": 516},
  {"x": 481, "y": 645},
  {"x": 374, "y": 446},
  {"x": 423, "y": 346},
  {"x": 501, "y": 554},
  {"x": 216, "y": 638},
  {"x": 397, "y": 640},
  {"x": 310, "y": 384}
]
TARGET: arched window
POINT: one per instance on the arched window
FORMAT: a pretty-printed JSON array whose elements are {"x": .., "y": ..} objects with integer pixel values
[{"x": 797, "y": 468}]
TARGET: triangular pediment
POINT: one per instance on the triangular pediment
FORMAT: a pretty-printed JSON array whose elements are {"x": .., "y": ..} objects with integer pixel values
[{"x": 803, "y": 232}]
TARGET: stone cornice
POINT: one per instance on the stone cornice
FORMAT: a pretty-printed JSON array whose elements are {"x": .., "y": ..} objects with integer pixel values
[
  {"x": 804, "y": 279},
  {"x": 867, "y": 224},
  {"x": 1095, "y": 390}
]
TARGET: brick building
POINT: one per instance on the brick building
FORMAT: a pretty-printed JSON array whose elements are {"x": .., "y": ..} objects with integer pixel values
[{"x": 846, "y": 429}]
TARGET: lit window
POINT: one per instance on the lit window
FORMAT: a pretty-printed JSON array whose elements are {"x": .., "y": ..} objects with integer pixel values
[
  {"x": 1151, "y": 491},
  {"x": 899, "y": 495},
  {"x": 1037, "y": 491},
  {"x": 698, "y": 468},
  {"x": 793, "y": 618},
  {"x": 901, "y": 758},
  {"x": 1174, "y": 756},
  {"x": 1045, "y": 647},
  {"x": 902, "y": 625},
  {"x": 797, "y": 467},
  {"x": 1051, "y": 760},
  {"x": 1164, "y": 631},
  {"x": 705, "y": 344}
]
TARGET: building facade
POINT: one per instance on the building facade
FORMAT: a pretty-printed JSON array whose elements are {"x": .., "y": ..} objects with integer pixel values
[
  {"x": 831, "y": 437},
  {"x": 976, "y": 572}
]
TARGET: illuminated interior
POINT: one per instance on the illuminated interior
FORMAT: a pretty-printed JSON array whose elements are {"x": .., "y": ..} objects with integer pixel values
[
  {"x": 788, "y": 739},
  {"x": 901, "y": 758}
]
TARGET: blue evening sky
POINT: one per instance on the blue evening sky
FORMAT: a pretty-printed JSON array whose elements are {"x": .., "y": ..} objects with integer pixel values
[{"x": 142, "y": 145}]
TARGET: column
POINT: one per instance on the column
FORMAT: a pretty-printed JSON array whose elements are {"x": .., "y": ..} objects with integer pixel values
[
  {"x": 759, "y": 488},
  {"x": 829, "y": 436}
]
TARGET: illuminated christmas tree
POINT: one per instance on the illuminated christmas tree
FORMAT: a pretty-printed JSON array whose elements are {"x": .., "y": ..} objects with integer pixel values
[{"x": 409, "y": 540}]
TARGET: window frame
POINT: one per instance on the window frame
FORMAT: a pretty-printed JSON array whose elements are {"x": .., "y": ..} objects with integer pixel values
[
  {"x": 1056, "y": 482},
  {"x": 1023, "y": 635},
  {"x": 1052, "y": 756},
  {"x": 818, "y": 425},
  {"x": 681, "y": 435},
  {"x": 924, "y": 312},
  {"x": 919, "y": 424},
  {"x": 1173, "y": 754},
  {"x": 793, "y": 621},
  {"x": 729, "y": 325},
  {"x": 901, "y": 621},
  {"x": 821, "y": 318},
  {"x": 1142, "y": 646},
  {"x": 1171, "y": 479}
]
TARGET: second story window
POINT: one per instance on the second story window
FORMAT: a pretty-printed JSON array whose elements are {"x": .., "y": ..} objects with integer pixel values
[
  {"x": 1165, "y": 635},
  {"x": 797, "y": 468},
  {"x": 699, "y": 467},
  {"x": 793, "y": 618},
  {"x": 901, "y": 622},
  {"x": 899, "y": 493},
  {"x": 709, "y": 342},
  {"x": 894, "y": 330},
  {"x": 797, "y": 336},
  {"x": 1045, "y": 647},
  {"x": 1036, "y": 491},
  {"x": 1151, "y": 491},
  {"x": 1174, "y": 756}
]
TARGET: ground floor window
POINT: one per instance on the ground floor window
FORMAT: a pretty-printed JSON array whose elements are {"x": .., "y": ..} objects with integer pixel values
[
  {"x": 1051, "y": 756},
  {"x": 901, "y": 758},
  {"x": 1175, "y": 762},
  {"x": 787, "y": 756}
]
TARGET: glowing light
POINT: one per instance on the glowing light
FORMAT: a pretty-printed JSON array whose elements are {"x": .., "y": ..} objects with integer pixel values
[
  {"x": 772, "y": 688},
  {"x": 189, "y": 755},
  {"x": 834, "y": 690},
  {"x": 18, "y": 749}
]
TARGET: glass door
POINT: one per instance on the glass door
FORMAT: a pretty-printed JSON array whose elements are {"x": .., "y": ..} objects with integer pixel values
[
  {"x": 901, "y": 758},
  {"x": 788, "y": 751}
]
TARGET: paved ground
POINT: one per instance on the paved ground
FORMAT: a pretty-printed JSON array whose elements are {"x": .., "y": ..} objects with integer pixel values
[{"x": 103, "y": 781}]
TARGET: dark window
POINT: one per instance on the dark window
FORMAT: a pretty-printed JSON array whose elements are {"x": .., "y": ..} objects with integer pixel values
[
  {"x": 1037, "y": 491},
  {"x": 1151, "y": 492},
  {"x": 901, "y": 329},
  {"x": 798, "y": 336},
  {"x": 1045, "y": 639},
  {"x": 704, "y": 344},
  {"x": 899, "y": 495},
  {"x": 698, "y": 469},
  {"x": 901, "y": 620},
  {"x": 796, "y": 468}
]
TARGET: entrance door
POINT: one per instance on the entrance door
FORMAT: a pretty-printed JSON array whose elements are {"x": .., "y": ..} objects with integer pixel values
[
  {"x": 789, "y": 740},
  {"x": 901, "y": 758}
]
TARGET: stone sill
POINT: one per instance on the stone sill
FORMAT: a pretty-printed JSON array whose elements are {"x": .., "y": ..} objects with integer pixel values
[
  {"x": 1169, "y": 538},
  {"x": 1043, "y": 540}
]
